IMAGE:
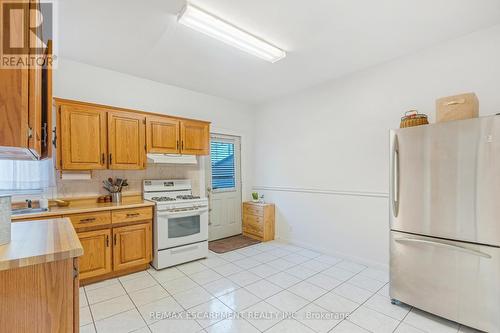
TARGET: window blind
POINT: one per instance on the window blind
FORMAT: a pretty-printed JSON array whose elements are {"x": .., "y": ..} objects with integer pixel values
[
  {"x": 223, "y": 169},
  {"x": 24, "y": 177}
]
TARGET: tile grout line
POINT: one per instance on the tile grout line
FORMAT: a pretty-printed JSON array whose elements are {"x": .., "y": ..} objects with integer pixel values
[
  {"x": 126, "y": 294},
  {"x": 260, "y": 278},
  {"x": 370, "y": 309},
  {"x": 300, "y": 280},
  {"x": 244, "y": 287},
  {"x": 217, "y": 297},
  {"x": 90, "y": 309},
  {"x": 186, "y": 275},
  {"x": 137, "y": 309},
  {"x": 343, "y": 282},
  {"x": 332, "y": 290},
  {"x": 312, "y": 302},
  {"x": 399, "y": 324},
  {"x": 120, "y": 282}
]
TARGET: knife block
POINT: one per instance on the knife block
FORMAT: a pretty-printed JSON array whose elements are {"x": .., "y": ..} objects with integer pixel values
[{"x": 5, "y": 219}]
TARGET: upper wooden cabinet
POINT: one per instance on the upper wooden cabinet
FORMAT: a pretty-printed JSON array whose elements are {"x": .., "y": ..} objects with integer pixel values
[
  {"x": 126, "y": 134},
  {"x": 165, "y": 135},
  {"x": 92, "y": 136},
  {"x": 162, "y": 135},
  {"x": 82, "y": 138},
  {"x": 26, "y": 93},
  {"x": 195, "y": 137}
]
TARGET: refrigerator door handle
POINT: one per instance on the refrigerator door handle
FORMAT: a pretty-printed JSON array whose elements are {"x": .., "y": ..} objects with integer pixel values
[
  {"x": 444, "y": 245},
  {"x": 395, "y": 177}
]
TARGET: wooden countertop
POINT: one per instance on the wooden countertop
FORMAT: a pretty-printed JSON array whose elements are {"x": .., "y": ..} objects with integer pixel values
[
  {"x": 37, "y": 242},
  {"x": 86, "y": 207}
]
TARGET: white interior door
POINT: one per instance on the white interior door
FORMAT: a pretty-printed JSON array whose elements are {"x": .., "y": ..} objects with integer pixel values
[{"x": 224, "y": 186}]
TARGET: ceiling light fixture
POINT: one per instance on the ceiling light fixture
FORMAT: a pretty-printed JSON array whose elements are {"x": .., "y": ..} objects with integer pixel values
[{"x": 206, "y": 23}]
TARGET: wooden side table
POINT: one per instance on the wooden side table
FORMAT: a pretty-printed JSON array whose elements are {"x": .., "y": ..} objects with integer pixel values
[{"x": 258, "y": 220}]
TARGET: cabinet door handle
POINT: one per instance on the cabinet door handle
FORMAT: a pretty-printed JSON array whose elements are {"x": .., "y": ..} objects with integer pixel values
[
  {"x": 44, "y": 135},
  {"x": 182, "y": 148},
  {"x": 103, "y": 158},
  {"x": 395, "y": 177},
  {"x": 110, "y": 158},
  {"x": 177, "y": 145},
  {"x": 133, "y": 214},
  {"x": 76, "y": 269},
  {"x": 90, "y": 219},
  {"x": 443, "y": 245},
  {"x": 114, "y": 239},
  {"x": 107, "y": 240},
  {"x": 75, "y": 273}
]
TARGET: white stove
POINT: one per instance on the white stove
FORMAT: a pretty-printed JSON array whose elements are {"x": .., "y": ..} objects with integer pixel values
[{"x": 180, "y": 224}]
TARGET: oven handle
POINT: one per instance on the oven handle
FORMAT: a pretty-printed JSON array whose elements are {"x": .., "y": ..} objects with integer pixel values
[{"x": 183, "y": 213}]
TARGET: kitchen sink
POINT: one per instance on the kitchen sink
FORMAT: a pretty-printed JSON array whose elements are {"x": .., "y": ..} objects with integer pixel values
[{"x": 28, "y": 211}]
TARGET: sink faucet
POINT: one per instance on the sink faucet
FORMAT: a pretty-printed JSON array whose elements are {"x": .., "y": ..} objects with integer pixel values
[{"x": 29, "y": 203}]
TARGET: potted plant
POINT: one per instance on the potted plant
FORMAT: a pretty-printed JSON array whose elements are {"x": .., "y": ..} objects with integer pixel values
[{"x": 255, "y": 197}]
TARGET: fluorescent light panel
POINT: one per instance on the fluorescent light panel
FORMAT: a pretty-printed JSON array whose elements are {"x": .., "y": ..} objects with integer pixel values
[{"x": 212, "y": 26}]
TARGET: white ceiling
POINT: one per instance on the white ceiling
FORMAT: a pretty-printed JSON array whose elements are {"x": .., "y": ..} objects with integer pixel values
[{"x": 325, "y": 39}]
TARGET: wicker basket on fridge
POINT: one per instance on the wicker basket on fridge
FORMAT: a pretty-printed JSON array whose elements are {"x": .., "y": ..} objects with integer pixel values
[{"x": 413, "y": 118}]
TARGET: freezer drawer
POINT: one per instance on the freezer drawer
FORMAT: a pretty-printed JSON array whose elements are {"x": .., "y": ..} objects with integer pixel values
[
  {"x": 454, "y": 280},
  {"x": 445, "y": 180}
]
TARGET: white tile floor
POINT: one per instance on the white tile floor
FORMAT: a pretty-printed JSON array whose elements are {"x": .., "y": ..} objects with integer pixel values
[{"x": 274, "y": 287}]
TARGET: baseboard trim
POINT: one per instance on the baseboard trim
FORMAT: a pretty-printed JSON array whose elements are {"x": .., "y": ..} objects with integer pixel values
[
  {"x": 322, "y": 191},
  {"x": 369, "y": 263}
]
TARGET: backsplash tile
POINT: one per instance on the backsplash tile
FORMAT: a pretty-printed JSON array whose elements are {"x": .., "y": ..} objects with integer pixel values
[{"x": 76, "y": 188}]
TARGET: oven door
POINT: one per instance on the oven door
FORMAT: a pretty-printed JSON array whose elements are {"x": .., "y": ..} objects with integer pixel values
[{"x": 181, "y": 228}]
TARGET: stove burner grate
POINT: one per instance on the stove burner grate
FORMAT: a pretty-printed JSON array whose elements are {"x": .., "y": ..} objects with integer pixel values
[
  {"x": 187, "y": 197},
  {"x": 163, "y": 199}
]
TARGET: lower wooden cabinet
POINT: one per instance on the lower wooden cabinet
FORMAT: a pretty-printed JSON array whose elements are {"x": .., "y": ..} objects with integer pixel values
[
  {"x": 132, "y": 246},
  {"x": 40, "y": 298},
  {"x": 96, "y": 259},
  {"x": 114, "y": 242}
]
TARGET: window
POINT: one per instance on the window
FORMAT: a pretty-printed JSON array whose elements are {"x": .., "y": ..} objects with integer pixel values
[
  {"x": 223, "y": 169},
  {"x": 24, "y": 177}
]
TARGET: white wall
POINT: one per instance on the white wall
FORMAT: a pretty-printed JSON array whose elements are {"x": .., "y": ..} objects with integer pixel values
[
  {"x": 334, "y": 137},
  {"x": 78, "y": 81}
]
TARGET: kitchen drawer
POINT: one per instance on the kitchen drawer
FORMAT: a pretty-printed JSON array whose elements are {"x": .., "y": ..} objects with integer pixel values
[
  {"x": 253, "y": 220},
  {"x": 454, "y": 280},
  {"x": 132, "y": 215},
  {"x": 254, "y": 229},
  {"x": 87, "y": 220},
  {"x": 252, "y": 210}
]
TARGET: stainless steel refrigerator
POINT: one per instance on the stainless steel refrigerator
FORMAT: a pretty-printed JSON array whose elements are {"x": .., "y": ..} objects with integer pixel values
[{"x": 445, "y": 220}]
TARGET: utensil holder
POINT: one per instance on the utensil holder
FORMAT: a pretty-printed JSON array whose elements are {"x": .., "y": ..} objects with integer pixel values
[
  {"x": 5, "y": 219},
  {"x": 116, "y": 197}
]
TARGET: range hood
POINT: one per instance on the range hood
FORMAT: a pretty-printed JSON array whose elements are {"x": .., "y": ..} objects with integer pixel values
[{"x": 171, "y": 159}]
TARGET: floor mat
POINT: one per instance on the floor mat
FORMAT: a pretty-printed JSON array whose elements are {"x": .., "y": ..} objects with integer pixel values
[{"x": 231, "y": 243}]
